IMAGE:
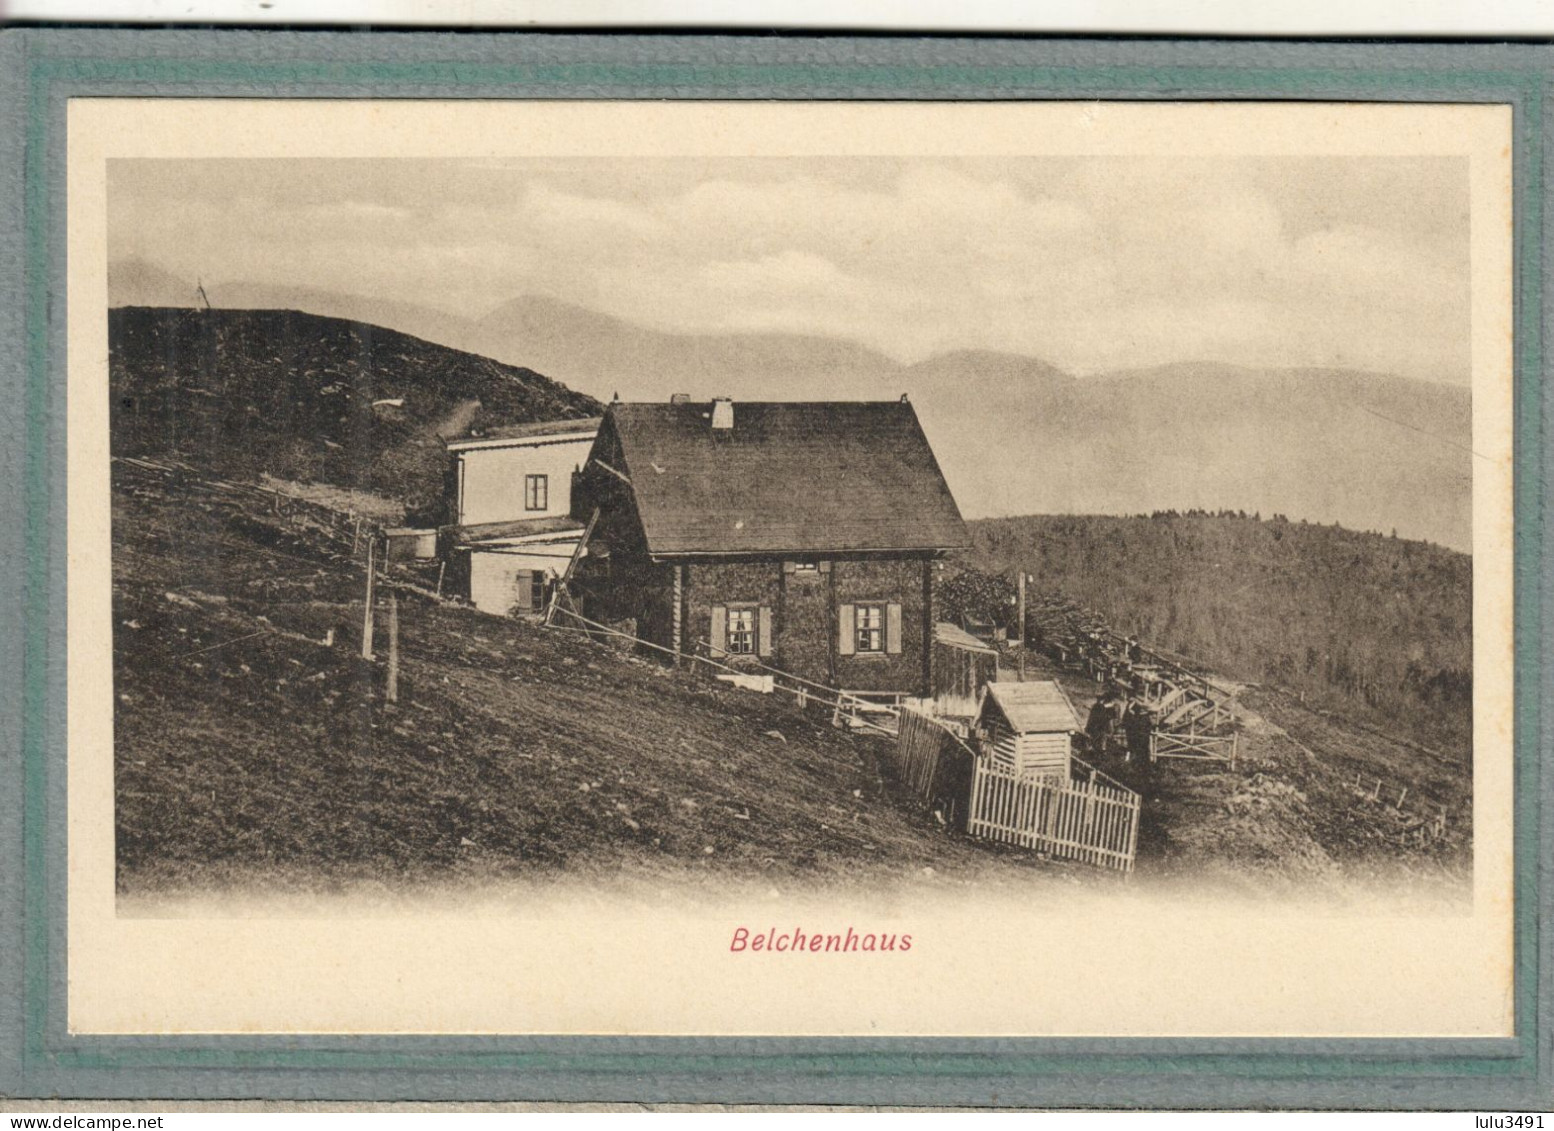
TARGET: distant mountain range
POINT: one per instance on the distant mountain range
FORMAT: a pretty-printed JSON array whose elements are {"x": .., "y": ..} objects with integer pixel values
[{"x": 1013, "y": 434}]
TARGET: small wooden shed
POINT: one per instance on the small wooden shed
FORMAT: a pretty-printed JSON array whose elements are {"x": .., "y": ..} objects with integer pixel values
[
  {"x": 406, "y": 544},
  {"x": 1027, "y": 729},
  {"x": 962, "y": 667}
]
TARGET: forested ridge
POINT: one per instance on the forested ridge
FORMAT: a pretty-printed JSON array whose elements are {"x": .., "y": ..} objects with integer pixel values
[{"x": 1360, "y": 622}]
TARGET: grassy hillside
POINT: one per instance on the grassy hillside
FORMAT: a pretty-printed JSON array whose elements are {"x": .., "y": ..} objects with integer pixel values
[
  {"x": 1360, "y": 622},
  {"x": 254, "y": 748},
  {"x": 252, "y": 756},
  {"x": 250, "y": 753},
  {"x": 309, "y": 398}
]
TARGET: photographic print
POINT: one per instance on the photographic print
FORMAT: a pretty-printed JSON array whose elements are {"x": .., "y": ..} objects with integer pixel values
[{"x": 807, "y": 569}]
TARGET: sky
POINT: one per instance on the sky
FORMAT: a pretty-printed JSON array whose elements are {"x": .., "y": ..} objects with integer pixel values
[{"x": 1091, "y": 264}]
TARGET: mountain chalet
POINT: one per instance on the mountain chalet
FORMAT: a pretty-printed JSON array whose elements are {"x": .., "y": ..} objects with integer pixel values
[
  {"x": 509, "y": 492},
  {"x": 801, "y": 536}
]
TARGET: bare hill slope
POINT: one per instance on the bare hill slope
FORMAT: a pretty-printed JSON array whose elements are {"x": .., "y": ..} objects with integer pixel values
[
  {"x": 307, "y": 397},
  {"x": 250, "y": 753}
]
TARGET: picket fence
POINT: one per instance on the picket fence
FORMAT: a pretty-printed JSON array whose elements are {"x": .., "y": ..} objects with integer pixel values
[
  {"x": 922, "y": 744},
  {"x": 1075, "y": 820},
  {"x": 1095, "y": 822}
]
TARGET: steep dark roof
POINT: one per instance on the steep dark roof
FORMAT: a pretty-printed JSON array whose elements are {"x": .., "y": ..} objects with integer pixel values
[
  {"x": 527, "y": 431},
  {"x": 788, "y": 477}
]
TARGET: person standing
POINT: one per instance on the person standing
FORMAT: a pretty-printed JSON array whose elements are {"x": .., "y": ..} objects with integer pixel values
[{"x": 1136, "y": 727}]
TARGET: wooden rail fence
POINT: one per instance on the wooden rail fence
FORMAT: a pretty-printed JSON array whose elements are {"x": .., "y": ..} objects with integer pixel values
[
  {"x": 1425, "y": 820},
  {"x": 1193, "y": 716},
  {"x": 856, "y": 712},
  {"x": 339, "y": 524},
  {"x": 1194, "y": 747}
]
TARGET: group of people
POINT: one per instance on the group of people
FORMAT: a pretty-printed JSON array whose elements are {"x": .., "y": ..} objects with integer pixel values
[{"x": 1119, "y": 724}]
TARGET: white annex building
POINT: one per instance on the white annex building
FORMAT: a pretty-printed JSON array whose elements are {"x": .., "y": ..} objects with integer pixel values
[{"x": 512, "y": 493}]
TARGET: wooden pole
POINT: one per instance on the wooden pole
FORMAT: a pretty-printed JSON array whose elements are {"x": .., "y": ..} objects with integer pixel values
[
  {"x": 391, "y": 693},
  {"x": 441, "y": 566},
  {"x": 1021, "y": 622},
  {"x": 372, "y": 544}
]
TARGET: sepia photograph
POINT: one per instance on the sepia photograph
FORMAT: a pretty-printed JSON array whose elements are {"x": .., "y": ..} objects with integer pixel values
[{"x": 1014, "y": 542}]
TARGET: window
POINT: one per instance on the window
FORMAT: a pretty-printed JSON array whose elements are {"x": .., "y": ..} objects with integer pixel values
[
  {"x": 741, "y": 632},
  {"x": 871, "y": 628},
  {"x": 536, "y": 492},
  {"x": 537, "y": 591}
]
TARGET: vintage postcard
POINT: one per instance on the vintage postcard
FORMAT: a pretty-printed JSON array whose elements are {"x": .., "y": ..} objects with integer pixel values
[{"x": 1027, "y": 569}]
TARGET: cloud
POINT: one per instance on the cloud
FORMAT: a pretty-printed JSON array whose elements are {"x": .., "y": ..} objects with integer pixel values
[
  {"x": 586, "y": 216},
  {"x": 787, "y": 273},
  {"x": 351, "y": 212},
  {"x": 1087, "y": 263}
]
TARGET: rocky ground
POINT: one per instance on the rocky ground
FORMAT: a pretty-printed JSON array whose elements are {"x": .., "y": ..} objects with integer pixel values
[{"x": 1301, "y": 807}]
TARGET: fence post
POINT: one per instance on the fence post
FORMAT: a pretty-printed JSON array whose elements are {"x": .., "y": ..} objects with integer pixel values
[
  {"x": 391, "y": 692},
  {"x": 367, "y": 611}
]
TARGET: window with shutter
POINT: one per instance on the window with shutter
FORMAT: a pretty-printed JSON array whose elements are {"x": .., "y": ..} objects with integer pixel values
[
  {"x": 741, "y": 631},
  {"x": 870, "y": 634}
]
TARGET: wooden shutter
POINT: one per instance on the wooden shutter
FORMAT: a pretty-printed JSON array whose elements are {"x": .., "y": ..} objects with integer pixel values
[
  {"x": 719, "y": 630},
  {"x": 789, "y": 566},
  {"x": 523, "y": 591},
  {"x": 763, "y": 637},
  {"x": 847, "y": 639},
  {"x": 893, "y": 629}
]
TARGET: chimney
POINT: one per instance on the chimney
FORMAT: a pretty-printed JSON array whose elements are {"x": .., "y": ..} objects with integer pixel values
[
  {"x": 722, "y": 413},
  {"x": 679, "y": 398}
]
